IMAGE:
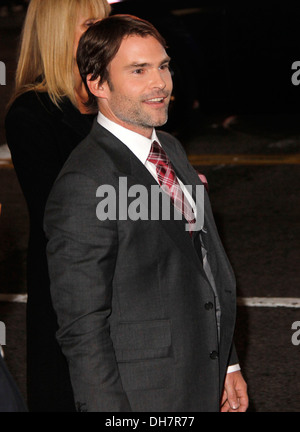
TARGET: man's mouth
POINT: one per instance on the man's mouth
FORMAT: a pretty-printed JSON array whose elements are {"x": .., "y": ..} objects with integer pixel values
[{"x": 156, "y": 100}]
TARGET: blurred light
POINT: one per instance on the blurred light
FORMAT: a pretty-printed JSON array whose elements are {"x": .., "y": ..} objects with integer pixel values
[{"x": 114, "y": 1}]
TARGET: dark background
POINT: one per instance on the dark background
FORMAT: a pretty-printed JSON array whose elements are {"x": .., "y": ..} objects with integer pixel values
[{"x": 234, "y": 56}]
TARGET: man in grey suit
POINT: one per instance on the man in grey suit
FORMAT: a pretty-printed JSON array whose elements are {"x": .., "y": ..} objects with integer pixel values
[{"x": 145, "y": 299}]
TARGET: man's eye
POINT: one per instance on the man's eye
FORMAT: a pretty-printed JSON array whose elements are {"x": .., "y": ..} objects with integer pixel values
[
  {"x": 165, "y": 67},
  {"x": 138, "y": 71}
]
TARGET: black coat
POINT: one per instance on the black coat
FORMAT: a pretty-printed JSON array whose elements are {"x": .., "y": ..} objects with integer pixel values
[{"x": 40, "y": 137}]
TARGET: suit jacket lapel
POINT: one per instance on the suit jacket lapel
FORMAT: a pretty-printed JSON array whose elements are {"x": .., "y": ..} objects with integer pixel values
[
  {"x": 174, "y": 228},
  {"x": 209, "y": 233},
  {"x": 187, "y": 175}
]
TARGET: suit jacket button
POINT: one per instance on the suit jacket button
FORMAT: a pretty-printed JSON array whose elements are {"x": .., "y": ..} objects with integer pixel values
[
  {"x": 209, "y": 306},
  {"x": 214, "y": 355}
]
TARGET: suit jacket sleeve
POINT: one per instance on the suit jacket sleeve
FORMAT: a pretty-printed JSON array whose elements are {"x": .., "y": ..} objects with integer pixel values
[
  {"x": 233, "y": 358},
  {"x": 81, "y": 256}
]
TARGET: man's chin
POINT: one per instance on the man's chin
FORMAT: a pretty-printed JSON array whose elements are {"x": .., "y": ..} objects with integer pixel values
[{"x": 160, "y": 122}]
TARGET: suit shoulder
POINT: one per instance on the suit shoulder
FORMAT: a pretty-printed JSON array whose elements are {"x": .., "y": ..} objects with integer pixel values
[
  {"x": 166, "y": 136},
  {"x": 171, "y": 142},
  {"x": 87, "y": 158}
]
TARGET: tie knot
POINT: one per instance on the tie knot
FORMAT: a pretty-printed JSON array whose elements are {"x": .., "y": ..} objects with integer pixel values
[{"x": 157, "y": 154}]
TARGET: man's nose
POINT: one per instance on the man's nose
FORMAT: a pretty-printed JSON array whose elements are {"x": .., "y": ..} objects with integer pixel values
[{"x": 157, "y": 79}]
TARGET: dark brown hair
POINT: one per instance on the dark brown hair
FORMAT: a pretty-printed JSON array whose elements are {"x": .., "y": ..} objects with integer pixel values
[{"x": 101, "y": 42}]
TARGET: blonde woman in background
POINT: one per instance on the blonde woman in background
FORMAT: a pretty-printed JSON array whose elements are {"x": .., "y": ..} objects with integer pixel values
[{"x": 47, "y": 118}]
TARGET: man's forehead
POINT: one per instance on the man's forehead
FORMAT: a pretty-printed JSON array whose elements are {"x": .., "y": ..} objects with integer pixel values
[
  {"x": 135, "y": 43},
  {"x": 140, "y": 49}
]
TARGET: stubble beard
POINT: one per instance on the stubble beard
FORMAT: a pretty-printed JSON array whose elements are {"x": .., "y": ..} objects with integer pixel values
[{"x": 134, "y": 114}]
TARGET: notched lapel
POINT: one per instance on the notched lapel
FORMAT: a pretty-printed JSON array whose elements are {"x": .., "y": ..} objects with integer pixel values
[
  {"x": 187, "y": 175},
  {"x": 174, "y": 228}
]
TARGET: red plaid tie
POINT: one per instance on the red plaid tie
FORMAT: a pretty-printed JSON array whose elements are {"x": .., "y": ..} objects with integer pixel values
[{"x": 167, "y": 177}]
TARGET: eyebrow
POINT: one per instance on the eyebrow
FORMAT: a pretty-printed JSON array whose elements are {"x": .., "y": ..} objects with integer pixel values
[{"x": 142, "y": 65}]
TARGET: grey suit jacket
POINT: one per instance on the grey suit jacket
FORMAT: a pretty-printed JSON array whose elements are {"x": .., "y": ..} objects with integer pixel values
[{"x": 136, "y": 312}]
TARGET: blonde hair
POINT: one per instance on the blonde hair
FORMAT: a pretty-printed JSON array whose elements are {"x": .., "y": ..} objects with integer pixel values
[{"x": 46, "y": 60}]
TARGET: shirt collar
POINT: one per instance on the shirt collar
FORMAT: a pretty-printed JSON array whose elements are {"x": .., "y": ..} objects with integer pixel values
[{"x": 137, "y": 143}]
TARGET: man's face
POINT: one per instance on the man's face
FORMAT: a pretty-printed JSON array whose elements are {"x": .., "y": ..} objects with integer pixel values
[{"x": 140, "y": 85}]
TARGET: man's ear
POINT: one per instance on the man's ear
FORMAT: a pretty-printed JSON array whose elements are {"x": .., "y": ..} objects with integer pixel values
[{"x": 95, "y": 87}]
